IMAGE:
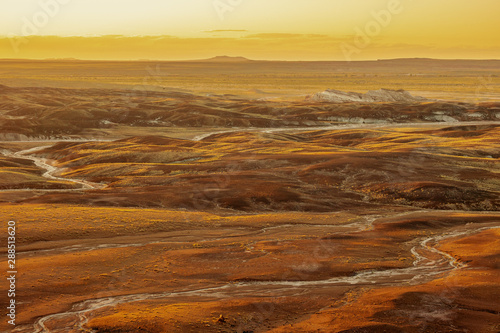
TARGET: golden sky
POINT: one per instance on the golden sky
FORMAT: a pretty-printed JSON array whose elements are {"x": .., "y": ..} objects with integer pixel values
[{"x": 257, "y": 29}]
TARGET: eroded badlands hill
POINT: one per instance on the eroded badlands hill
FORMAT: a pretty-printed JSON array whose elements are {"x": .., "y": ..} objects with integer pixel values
[
  {"x": 381, "y": 95},
  {"x": 319, "y": 170},
  {"x": 45, "y": 113}
]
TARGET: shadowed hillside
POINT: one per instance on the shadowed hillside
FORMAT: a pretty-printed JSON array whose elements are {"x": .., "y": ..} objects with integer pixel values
[{"x": 45, "y": 113}]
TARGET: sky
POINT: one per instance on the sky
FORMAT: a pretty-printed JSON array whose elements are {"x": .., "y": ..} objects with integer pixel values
[{"x": 256, "y": 29}]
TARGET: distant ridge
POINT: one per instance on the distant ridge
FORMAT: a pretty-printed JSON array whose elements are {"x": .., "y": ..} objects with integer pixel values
[
  {"x": 240, "y": 59},
  {"x": 226, "y": 59}
]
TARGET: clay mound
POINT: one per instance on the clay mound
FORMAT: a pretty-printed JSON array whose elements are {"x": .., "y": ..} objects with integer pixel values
[
  {"x": 381, "y": 95},
  {"x": 4, "y": 88},
  {"x": 437, "y": 195},
  {"x": 465, "y": 131},
  {"x": 153, "y": 140},
  {"x": 430, "y": 222},
  {"x": 374, "y": 329}
]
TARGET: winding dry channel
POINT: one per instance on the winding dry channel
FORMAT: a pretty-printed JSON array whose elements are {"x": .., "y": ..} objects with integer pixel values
[
  {"x": 344, "y": 127},
  {"x": 50, "y": 171},
  {"x": 429, "y": 262}
]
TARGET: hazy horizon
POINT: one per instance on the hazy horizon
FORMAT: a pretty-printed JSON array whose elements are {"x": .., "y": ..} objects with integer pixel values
[
  {"x": 245, "y": 59},
  {"x": 277, "y": 30}
]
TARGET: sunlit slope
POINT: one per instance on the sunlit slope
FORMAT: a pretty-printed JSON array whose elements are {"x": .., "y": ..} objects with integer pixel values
[{"x": 445, "y": 168}]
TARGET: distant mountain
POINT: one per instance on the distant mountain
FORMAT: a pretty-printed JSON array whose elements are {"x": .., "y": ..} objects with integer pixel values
[{"x": 226, "y": 59}]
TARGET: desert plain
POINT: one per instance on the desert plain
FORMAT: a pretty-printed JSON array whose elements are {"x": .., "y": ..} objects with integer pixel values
[{"x": 226, "y": 196}]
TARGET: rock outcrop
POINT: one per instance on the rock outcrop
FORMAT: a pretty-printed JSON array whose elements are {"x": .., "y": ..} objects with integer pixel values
[{"x": 381, "y": 95}]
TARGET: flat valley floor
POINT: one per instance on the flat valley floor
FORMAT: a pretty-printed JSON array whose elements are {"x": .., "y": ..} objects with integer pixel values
[{"x": 222, "y": 208}]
